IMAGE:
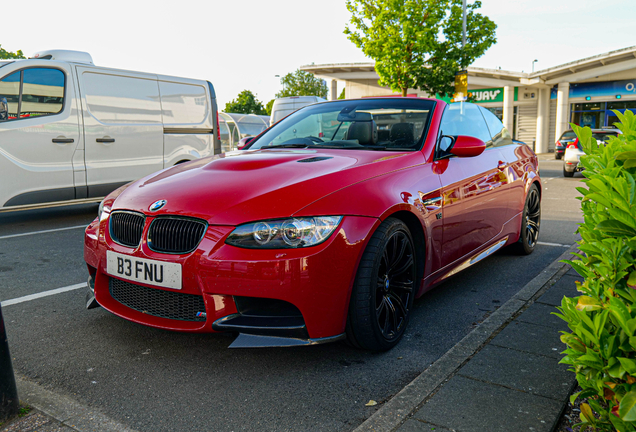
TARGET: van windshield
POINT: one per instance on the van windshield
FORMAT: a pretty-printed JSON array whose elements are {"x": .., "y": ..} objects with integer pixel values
[{"x": 369, "y": 124}]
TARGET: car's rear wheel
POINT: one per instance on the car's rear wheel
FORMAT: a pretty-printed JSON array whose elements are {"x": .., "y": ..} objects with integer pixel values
[
  {"x": 567, "y": 173},
  {"x": 557, "y": 156},
  {"x": 384, "y": 288},
  {"x": 530, "y": 222}
]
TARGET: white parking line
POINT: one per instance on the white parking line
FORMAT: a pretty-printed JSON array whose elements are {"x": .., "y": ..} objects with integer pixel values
[
  {"x": 42, "y": 294},
  {"x": 42, "y": 232},
  {"x": 553, "y": 244}
]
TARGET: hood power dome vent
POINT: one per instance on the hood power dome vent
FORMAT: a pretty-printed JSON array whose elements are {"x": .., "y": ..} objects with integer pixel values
[{"x": 315, "y": 159}]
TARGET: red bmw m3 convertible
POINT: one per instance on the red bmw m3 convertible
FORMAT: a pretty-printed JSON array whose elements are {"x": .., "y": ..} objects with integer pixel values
[{"x": 327, "y": 226}]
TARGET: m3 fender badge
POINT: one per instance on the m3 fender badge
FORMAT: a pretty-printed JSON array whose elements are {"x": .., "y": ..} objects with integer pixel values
[{"x": 157, "y": 205}]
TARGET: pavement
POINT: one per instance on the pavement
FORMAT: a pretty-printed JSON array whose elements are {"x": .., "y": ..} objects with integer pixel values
[{"x": 503, "y": 376}]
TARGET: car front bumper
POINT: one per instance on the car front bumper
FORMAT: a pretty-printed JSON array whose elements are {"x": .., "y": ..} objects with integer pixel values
[{"x": 232, "y": 282}]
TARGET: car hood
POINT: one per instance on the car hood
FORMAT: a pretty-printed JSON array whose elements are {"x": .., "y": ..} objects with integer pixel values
[{"x": 239, "y": 187}]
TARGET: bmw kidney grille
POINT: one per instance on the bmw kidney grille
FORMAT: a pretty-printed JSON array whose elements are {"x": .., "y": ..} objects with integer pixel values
[
  {"x": 175, "y": 235},
  {"x": 126, "y": 228}
]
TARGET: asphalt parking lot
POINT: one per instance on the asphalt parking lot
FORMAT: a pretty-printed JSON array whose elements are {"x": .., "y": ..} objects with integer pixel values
[{"x": 154, "y": 380}]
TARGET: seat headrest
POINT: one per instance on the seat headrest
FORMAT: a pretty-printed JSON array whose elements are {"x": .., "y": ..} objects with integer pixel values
[
  {"x": 365, "y": 132},
  {"x": 402, "y": 132}
]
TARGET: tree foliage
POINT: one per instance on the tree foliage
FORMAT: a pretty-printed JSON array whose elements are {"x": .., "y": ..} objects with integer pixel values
[
  {"x": 301, "y": 83},
  {"x": 245, "y": 103},
  {"x": 269, "y": 106},
  {"x": 4, "y": 54},
  {"x": 418, "y": 43}
]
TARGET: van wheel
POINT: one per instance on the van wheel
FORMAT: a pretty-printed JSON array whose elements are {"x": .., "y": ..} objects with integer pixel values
[{"x": 384, "y": 289}]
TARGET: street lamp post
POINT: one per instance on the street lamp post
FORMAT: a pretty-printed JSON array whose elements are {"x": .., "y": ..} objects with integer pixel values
[{"x": 8, "y": 392}]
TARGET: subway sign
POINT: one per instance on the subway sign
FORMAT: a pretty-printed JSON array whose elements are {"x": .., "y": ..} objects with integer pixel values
[{"x": 486, "y": 95}]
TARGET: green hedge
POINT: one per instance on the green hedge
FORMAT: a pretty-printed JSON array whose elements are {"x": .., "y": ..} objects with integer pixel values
[{"x": 601, "y": 347}]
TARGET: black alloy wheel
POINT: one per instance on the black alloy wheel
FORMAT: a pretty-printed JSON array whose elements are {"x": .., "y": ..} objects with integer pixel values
[
  {"x": 531, "y": 222},
  {"x": 384, "y": 289}
]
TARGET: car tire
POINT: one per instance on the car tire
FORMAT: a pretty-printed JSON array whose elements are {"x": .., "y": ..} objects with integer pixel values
[
  {"x": 567, "y": 173},
  {"x": 530, "y": 222},
  {"x": 384, "y": 288},
  {"x": 557, "y": 156}
]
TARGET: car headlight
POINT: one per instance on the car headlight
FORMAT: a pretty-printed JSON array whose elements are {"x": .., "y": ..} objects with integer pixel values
[
  {"x": 284, "y": 233},
  {"x": 101, "y": 212}
]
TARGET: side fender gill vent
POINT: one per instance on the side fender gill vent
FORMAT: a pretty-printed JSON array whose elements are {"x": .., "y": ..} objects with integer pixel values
[{"x": 316, "y": 159}]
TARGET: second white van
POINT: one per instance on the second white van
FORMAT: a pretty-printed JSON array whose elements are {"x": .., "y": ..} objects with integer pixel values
[{"x": 282, "y": 107}]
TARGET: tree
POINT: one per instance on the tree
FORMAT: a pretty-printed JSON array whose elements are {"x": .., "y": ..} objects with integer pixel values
[
  {"x": 418, "y": 43},
  {"x": 301, "y": 83},
  {"x": 269, "y": 106},
  {"x": 342, "y": 94},
  {"x": 4, "y": 54},
  {"x": 245, "y": 103}
]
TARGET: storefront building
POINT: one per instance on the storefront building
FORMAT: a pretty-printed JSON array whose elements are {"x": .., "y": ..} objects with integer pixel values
[{"x": 537, "y": 107}]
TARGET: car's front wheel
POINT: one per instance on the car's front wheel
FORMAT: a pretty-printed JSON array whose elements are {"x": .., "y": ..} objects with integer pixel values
[{"x": 384, "y": 288}]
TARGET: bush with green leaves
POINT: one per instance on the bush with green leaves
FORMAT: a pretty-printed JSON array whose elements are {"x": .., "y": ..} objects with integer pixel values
[{"x": 601, "y": 347}]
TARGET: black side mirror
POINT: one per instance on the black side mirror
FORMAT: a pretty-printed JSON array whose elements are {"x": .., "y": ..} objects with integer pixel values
[{"x": 4, "y": 109}]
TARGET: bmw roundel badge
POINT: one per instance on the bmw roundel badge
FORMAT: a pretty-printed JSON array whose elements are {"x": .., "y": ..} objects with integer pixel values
[{"x": 157, "y": 205}]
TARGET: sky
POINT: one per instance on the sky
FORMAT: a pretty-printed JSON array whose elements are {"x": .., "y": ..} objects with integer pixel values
[{"x": 244, "y": 44}]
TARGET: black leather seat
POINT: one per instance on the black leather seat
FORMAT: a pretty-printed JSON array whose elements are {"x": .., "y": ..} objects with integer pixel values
[
  {"x": 402, "y": 134},
  {"x": 365, "y": 132}
]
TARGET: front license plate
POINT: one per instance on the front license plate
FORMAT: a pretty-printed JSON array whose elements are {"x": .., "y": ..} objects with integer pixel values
[{"x": 152, "y": 272}]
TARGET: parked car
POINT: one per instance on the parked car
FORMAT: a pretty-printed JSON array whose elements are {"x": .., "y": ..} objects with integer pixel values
[
  {"x": 282, "y": 107},
  {"x": 574, "y": 150},
  {"x": 559, "y": 147},
  {"x": 70, "y": 130},
  {"x": 306, "y": 238}
]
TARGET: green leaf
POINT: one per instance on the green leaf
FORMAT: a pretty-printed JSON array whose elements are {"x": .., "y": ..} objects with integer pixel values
[
  {"x": 628, "y": 364},
  {"x": 615, "y": 228},
  {"x": 616, "y": 371},
  {"x": 586, "y": 414},
  {"x": 626, "y": 155},
  {"x": 586, "y": 303},
  {"x": 627, "y": 409}
]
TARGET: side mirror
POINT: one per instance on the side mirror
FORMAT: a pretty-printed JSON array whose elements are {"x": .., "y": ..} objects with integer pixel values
[
  {"x": 243, "y": 142},
  {"x": 4, "y": 109},
  {"x": 467, "y": 146}
]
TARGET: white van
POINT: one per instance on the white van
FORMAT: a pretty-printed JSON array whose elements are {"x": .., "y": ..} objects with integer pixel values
[
  {"x": 282, "y": 107},
  {"x": 70, "y": 130}
]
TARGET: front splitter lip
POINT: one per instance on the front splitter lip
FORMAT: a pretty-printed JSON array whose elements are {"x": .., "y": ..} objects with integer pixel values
[{"x": 245, "y": 340}]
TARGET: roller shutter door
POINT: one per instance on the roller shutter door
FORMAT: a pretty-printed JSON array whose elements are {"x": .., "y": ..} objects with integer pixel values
[{"x": 527, "y": 124}]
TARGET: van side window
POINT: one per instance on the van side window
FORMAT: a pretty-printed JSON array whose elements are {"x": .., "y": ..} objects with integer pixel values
[
  {"x": 33, "y": 92},
  {"x": 10, "y": 90},
  {"x": 500, "y": 134}
]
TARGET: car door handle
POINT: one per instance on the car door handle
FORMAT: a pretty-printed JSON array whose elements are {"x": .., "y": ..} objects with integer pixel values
[
  {"x": 62, "y": 140},
  {"x": 502, "y": 166},
  {"x": 105, "y": 140}
]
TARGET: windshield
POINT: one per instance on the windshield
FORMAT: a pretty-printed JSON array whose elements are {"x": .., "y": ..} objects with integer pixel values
[{"x": 367, "y": 124}]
